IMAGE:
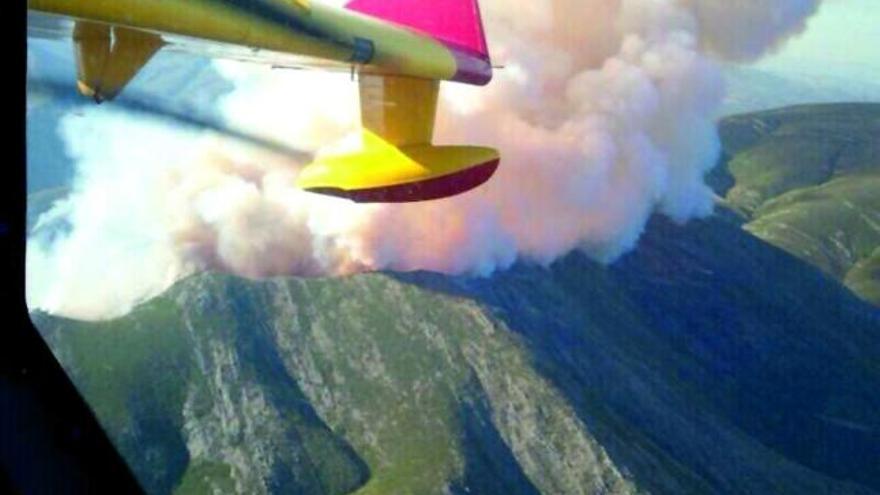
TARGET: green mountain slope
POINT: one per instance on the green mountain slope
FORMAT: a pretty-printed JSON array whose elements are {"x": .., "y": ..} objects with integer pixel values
[
  {"x": 807, "y": 179},
  {"x": 705, "y": 362},
  {"x": 172, "y": 393}
]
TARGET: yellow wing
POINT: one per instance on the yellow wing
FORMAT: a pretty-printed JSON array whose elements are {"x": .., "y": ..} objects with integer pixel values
[{"x": 401, "y": 48}]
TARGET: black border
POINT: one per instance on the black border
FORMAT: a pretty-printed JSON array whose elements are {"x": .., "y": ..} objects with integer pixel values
[{"x": 50, "y": 441}]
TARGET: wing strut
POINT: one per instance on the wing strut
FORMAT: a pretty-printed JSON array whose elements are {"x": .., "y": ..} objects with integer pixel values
[{"x": 108, "y": 57}]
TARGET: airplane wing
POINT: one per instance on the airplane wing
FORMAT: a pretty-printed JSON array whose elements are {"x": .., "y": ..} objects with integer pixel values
[
  {"x": 400, "y": 48},
  {"x": 441, "y": 39},
  {"x": 61, "y": 28}
]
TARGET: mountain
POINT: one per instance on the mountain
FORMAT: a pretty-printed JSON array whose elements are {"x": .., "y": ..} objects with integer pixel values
[
  {"x": 807, "y": 179},
  {"x": 705, "y": 361}
]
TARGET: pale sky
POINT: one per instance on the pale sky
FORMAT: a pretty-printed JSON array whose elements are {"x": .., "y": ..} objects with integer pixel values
[{"x": 842, "y": 40}]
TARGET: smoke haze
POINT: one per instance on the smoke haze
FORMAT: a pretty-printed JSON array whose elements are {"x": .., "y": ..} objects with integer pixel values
[{"x": 603, "y": 116}]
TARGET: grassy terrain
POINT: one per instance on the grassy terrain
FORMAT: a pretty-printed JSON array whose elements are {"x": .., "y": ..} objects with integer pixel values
[
  {"x": 147, "y": 380},
  {"x": 864, "y": 277},
  {"x": 807, "y": 179}
]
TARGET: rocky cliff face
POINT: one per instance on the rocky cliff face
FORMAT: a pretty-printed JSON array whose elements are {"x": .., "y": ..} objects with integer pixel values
[{"x": 706, "y": 361}]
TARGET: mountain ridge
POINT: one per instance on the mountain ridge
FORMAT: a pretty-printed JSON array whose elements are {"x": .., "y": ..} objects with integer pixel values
[
  {"x": 805, "y": 178},
  {"x": 570, "y": 379},
  {"x": 719, "y": 356}
]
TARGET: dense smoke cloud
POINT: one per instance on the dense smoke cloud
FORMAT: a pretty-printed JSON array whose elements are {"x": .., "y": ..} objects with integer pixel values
[
  {"x": 603, "y": 115},
  {"x": 747, "y": 29}
]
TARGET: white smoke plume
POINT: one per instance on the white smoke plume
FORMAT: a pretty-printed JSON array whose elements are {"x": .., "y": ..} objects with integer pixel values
[{"x": 603, "y": 116}]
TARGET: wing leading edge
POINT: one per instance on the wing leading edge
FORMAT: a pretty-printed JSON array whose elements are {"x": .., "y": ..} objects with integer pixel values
[{"x": 314, "y": 33}]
